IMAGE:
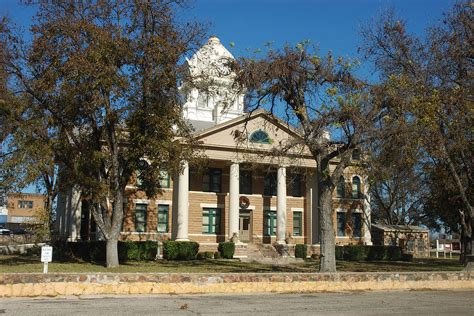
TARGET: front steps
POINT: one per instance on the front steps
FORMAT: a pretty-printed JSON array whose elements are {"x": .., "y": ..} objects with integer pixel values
[{"x": 266, "y": 254}]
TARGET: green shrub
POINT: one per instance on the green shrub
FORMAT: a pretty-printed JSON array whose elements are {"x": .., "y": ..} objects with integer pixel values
[
  {"x": 217, "y": 255},
  {"x": 209, "y": 254},
  {"x": 187, "y": 250},
  {"x": 201, "y": 256},
  {"x": 407, "y": 257},
  {"x": 180, "y": 250},
  {"x": 301, "y": 251},
  {"x": 377, "y": 253},
  {"x": 394, "y": 253},
  {"x": 227, "y": 249},
  {"x": 339, "y": 252},
  {"x": 170, "y": 250},
  {"x": 355, "y": 252}
]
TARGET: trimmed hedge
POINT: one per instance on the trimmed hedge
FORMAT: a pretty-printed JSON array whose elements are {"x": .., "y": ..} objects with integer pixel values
[
  {"x": 95, "y": 251},
  {"x": 369, "y": 253},
  {"x": 301, "y": 251},
  {"x": 180, "y": 250},
  {"x": 226, "y": 249},
  {"x": 205, "y": 255}
]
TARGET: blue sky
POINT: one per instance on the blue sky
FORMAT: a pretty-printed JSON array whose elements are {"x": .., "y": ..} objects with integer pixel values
[{"x": 331, "y": 25}]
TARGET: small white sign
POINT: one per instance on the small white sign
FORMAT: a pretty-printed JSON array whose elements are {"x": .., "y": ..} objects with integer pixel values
[{"x": 46, "y": 254}]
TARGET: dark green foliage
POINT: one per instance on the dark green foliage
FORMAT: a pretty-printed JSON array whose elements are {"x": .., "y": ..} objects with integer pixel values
[
  {"x": 355, "y": 253},
  {"x": 205, "y": 255},
  {"x": 170, "y": 250},
  {"x": 407, "y": 257},
  {"x": 369, "y": 253},
  {"x": 217, "y": 255},
  {"x": 301, "y": 251},
  {"x": 339, "y": 253},
  {"x": 180, "y": 250},
  {"x": 95, "y": 251},
  {"x": 394, "y": 253},
  {"x": 227, "y": 249}
]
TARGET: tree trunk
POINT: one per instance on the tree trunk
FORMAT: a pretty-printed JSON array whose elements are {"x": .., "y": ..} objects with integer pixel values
[
  {"x": 468, "y": 258},
  {"x": 328, "y": 239},
  {"x": 112, "y": 253}
]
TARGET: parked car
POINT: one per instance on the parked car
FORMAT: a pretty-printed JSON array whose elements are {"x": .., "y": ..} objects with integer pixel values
[
  {"x": 20, "y": 231},
  {"x": 4, "y": 231}
]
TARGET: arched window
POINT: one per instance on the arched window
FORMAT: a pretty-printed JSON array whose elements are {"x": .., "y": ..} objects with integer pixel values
[
  {"x": 356, "y": 187},
  {"x": 142, "y": 166},
  {"x": 260, "y": 137},
  {"x": 340, "y": 190}
]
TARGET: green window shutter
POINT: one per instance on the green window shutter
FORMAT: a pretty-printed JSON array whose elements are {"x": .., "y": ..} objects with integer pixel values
[
  {"x": 341, "y": 224},
  {"x": 163, "y": 216},
  {"x": 140, "y": 217},
  {"x": 297, "y": 224},
  {"x": 356, "y": 225},
  {"x": 211, "y": 221},
  {"x": 270, "y": 218}
]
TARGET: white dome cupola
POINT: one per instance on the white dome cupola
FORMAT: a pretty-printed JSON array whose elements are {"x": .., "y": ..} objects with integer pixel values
[{"x": 210, "y": 97}]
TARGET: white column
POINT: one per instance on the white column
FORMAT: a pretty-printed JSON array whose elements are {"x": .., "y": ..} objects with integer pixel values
[
  {"x": 281, "y": 205},
  {"x": 183, "y": 203},
  {"x": 367, "y": 212},
  {"x": 234, "y": 200}
]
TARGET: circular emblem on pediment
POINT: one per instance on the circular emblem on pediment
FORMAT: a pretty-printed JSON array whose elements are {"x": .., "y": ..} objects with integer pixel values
[{"x": 244, "y": 202}]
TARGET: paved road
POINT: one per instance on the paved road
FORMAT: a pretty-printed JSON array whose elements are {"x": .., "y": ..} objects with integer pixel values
[{"x": 365, "y": 303}]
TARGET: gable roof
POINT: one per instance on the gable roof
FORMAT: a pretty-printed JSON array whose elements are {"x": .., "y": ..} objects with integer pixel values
[{"x": 279, "y": 123}]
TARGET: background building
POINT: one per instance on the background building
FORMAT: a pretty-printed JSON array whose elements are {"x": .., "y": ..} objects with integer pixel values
[
  {"x": 22, "y": 209},
  {"x": 412, "y": 239}
]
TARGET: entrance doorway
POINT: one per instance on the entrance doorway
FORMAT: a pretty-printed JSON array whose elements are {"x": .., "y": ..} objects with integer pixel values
[{"x": 245, "y": 226}]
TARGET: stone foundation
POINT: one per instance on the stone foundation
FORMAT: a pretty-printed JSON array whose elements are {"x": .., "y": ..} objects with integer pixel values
[{"x": 60, "y": 284}]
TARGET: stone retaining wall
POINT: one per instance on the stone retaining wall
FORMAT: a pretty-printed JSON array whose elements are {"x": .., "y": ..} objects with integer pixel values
[{"x": 59, "y": 284}]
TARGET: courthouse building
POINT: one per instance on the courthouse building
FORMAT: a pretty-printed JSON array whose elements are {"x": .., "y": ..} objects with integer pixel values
[{"x": 246, "y": 190}]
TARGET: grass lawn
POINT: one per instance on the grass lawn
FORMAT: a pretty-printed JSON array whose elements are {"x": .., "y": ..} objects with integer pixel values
[{"x": 22, "y": 264}]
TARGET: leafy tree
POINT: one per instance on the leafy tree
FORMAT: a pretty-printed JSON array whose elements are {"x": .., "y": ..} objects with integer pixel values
[
  {"x": 431, "y": 87},
  {"x": 26, "y": 151},
  {"x": 320, "y": 95},
  {"x": 105, "y": 74}
]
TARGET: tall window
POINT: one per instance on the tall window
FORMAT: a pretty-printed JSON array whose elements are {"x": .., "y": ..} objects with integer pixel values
[
  {"x": 356, "y": 154},
  {"x": 140, "y": 217},
  {"x": 297, "y": 224},
  {"x": 341, "y": 224},
  {"x": 163, "y": 215},
  {"x": 269, "y": 223},
  {"x": 25, "y": 204},
  {"x": 164, "y": 179},
  {"x": 340, "y": 190},
  {"x": 420, "y": 244},
  {"x": 356, "y": 225},
  {"x": 270, "y": 184},
  {"x": 296, "y": 180},
  {"x": 356, "y": 188},
  {"x": 245, "y": 181},
  {"x": 211, "y": 221},
  {"x": 211, "y": 181},
  {"x": 410, "y": 245},
  {"x": 142, "y": 165},
  {"x": 260, "y": 137}
]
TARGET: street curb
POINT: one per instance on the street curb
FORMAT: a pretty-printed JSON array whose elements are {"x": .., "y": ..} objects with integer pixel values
[{"x": 75, "y": 284}]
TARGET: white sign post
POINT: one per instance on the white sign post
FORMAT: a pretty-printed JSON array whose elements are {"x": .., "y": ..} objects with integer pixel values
[{"x": 46, "y": 256}]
